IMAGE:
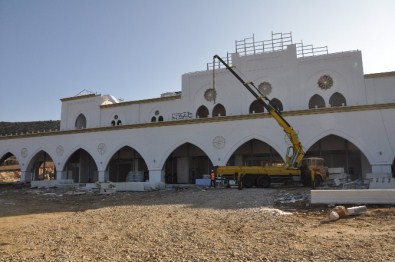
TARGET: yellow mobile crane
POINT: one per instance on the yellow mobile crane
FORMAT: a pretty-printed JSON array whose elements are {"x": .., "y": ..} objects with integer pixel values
[{"x": 309, "y": 171}]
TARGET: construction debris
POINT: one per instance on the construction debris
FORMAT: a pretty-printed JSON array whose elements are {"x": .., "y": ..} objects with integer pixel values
[{"x": 343, "y": 212}]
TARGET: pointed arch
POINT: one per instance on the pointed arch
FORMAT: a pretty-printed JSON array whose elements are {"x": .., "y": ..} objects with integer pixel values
[
  {"x": 337, "y": 99},
  {"x": 219, "y": 110},
  {"x": 277, "y": 103},
  {"x": 10, "y": 164},
  {"x": 185, "y": 163},
  {"x": 227, "y": 158},
  {"x": 6, "y": 156},
  {"x": 338, "y": 151},
  {"x": 202, "y": 112},
  {"x": 256, "y": 107},
  {"x": 41, "y": 166},
  {"x": 81, "y": 167},
  {"x": 80, "y": 122},
  {"x": 127, "y": 164},
  {"x": 316, "y": 101},
  {"x": 254, "y": 152}
]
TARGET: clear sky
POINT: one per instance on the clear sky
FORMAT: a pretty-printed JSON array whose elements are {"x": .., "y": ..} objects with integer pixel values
[{"x": 137, "y": 49}]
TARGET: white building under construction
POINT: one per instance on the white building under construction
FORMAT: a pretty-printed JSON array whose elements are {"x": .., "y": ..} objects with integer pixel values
[{"x": 340, "y": 114}]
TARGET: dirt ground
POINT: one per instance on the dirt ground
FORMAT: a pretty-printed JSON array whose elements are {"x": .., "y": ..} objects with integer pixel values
[{"x": 193, "y": 224}]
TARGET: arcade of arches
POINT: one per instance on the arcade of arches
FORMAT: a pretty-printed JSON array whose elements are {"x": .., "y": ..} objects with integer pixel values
[{"x": 186, "y": 163}]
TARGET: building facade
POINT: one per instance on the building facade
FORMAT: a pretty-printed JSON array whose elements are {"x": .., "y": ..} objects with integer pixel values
[{"x": 340, "y": 114}]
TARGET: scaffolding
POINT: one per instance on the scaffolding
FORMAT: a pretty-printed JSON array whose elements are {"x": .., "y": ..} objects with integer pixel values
[{"x": 278, "y": 42}]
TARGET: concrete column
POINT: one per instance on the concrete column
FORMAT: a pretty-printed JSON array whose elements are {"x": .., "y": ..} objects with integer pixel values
[
  {"x": 157, "y": 177},
  {"x": 381, "y": 168},
  {"x": 26, "y": 176},
  {"x": 103, "y": 176},
  {"x": 60, "y": 175}
]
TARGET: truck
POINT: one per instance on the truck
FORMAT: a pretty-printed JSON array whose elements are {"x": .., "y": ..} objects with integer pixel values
[{"x": 308, "y": 171}]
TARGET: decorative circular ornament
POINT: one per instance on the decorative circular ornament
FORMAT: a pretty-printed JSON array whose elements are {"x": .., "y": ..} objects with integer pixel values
[
  {"x": 116, "y": 117},
  {"x": 210, "y": 94},
  {"x": 325, "y": 82},
  {"x": 157, "y": 112},
  {"x": 219, "y": 142},
  {"x": 101, "y": 148},
  {"x": 24, "y": 152},
  {"x": 59, "y": 150},
  {"x": 265, "y": 88}
]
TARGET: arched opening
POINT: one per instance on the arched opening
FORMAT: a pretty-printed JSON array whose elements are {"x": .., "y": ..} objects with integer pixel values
[
  {"x": 339, "y": 152},
  {"x": 80, "y": 122},
  {"x": 127, "y": 165},
  {"x": 202, "y": 112},
  {"x": 9, "y": 169},
  {"x": 337, "y": 99},
  {"x": 316, "y": 101},
  {"x": 153, "y": 119},
  {"x": 81, "y": 167},
  {"x": 42, "y": 167},
  {"x": 160, "y": 119},
  {"x": 113, "y": 122},
  {"x": 219, "y": 110},
  {"x": 119, "y": 122},
  {"x": 254, "y": 153},
  {"x": 277, "y": 103},
  {"x": 393, "y": 168},
  {"x": 256, "y": 107},
  {"x": 185, "y": 164}
]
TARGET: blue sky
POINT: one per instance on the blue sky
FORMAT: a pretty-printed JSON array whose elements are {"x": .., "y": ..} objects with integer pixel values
[{"x": 137, "y": 49}]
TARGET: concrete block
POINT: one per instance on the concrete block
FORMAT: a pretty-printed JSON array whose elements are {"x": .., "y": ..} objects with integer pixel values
[
  {"x": 336, "y": 170},
  {"x": 382, "y": 183},
  {"x": 203, "y": 182},
  {"x": 378, "y": 175},
  {"x": 129, "y": 186},
  {"x": 43, "y": 184},
  {"x": 357, "y": 196},
  {"x": 338, "y": 176},
  {"x": 65, "y": 183}
]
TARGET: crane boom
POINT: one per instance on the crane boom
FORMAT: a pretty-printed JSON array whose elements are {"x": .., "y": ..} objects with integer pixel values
[{"x": 297, "y": 149}]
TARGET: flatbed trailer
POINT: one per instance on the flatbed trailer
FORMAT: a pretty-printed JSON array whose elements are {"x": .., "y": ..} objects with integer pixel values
[{"x": 259, "y": 176}]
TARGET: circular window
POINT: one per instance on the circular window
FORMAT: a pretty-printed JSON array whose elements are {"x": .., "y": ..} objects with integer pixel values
[
  {"x": 157, "y": 112},
  {"x": 265, "y": 88},
  {"x": 325, "y": 82},
  {"x": 210, "y": 94},
  {"x": 116, "y": 117}
]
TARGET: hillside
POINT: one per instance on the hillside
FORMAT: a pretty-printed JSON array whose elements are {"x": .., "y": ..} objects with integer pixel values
[{"x": 12, "y": 128}]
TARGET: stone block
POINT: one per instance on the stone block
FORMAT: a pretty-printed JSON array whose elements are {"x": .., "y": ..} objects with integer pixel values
[{"x": 353, "y": 196}]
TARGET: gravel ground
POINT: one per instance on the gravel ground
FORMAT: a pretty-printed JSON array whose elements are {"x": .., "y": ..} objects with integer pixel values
[{"x": 192, "y": 224}]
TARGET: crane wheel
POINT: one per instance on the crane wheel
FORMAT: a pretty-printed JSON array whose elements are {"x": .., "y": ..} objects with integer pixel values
[
  {"x": 248, "y": 181},
  {"x": 263, "y": 181}
]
